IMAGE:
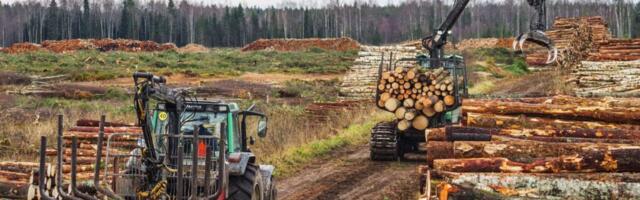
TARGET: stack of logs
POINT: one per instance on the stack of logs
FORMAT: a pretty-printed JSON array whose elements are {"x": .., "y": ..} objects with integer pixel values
[
  {"x": 546, "y": 148},
  {"x": 20, "y": 179},
  {"x": 614, "y": 78},
  {"x": 617, "y": 50},
  {"x": 573, "y": 37},
  {"x": 415, "y": 95}
]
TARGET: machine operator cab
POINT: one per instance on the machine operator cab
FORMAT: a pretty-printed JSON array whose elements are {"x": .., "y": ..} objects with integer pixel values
[{"x": 212, "y": 121}]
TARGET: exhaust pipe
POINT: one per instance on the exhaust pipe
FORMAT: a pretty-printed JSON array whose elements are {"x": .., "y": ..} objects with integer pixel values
[
  {"x": 61, "y": 191},
  {"x": 179, "y": 178},
  {"x": 96, "y": 173},
  {"x": 41, "y": 173},
  {"x": 194, "y": 163},
  {"x": 74, "y": 171}
]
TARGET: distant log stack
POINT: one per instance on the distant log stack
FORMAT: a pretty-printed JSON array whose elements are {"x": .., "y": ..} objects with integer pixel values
[
  {"x": 535, "y": 143},
  {"x": 617, "y": 50},
  {"x": 360, "y": 82},
  {"x": 575, "y": 38},
  {"x": 20, "y": 179}
]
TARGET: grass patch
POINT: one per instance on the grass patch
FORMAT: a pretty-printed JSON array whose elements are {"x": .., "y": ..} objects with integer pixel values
[
  {"x": 94, "y": 65},
  {"x": 292, "y": 159}
]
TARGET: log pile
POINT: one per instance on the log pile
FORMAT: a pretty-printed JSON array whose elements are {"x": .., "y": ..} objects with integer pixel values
[
  {"x": 575, "y": 38},
  {"x": 617, "y": 50},
  {"x": 63, "y": 46},
  {"x": 613, "y": 78},
  {"x": 334, "y": 44},
  {"x": 25, "y": 47},
  {"x": 20, "y": 179},
  {"x": 521, "y": 148},
  {"x": 416, "y": 95},
  {"x": 360, "y": 81}
]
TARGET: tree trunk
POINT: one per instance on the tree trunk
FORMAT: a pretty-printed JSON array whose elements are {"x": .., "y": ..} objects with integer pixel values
[
  {"x": 524, "y": 151},
  {"x": 622, "y": 159},
  {"x": 520, "y": 122},
  {"x": 606, "y": 114},
  {"x": 552, "y": 186},
  {"x": 622, "y": 134},
  {"x": 106, "y": 129}
]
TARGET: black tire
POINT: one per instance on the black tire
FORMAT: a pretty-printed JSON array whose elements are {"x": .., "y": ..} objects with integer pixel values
[
  {"x": 384, "y": 142},
  {"x": 273, "y": 191},
  {"x": 247, "y": 186}
]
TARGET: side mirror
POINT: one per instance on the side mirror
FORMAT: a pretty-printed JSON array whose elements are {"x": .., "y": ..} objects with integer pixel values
[{"x": 262, "y": 127}]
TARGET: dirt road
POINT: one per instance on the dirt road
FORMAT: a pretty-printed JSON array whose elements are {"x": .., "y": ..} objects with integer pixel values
[{"x": 349, "y": 174}]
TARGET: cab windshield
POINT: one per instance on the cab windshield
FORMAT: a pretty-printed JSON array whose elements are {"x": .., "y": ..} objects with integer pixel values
[{"x": 210, "y": 126}]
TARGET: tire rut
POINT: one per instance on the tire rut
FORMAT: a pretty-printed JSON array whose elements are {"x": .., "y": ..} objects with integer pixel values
[{"x": 351, "y": 175}]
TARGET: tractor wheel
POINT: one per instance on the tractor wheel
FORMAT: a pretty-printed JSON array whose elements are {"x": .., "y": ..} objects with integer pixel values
[
  {"x": 273, "y": 191},
  {"x": 246, "y": 186}
]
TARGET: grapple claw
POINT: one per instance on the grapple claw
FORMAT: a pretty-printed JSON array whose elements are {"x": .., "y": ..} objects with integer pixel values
[{"x": 539, "y": 38}]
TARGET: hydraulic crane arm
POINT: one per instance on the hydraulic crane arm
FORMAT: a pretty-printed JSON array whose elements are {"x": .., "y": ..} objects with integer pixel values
[
  {"x": 148, "y": 87},
  {"x": 435, "y": 43}
]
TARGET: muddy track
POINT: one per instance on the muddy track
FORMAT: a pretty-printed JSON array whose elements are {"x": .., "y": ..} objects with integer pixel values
[{"x": 349, "y": 174}]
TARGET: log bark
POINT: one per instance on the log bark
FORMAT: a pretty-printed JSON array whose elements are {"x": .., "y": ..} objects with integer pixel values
[
  {"x": 94, "y": 136},
  {"x": 519, "y": 122},
  {"x": 96, "y": 123},
  {"x": 566, "y": 133},
  {"x": 438, "y": 150},
  {"x": 23, "y": 167},
  {"x": 525, "y": 151},
  {"x": 106, "y": 129},
  {"x": 552, "y": 186},
  {"x": 622, "y": 159},
  {"x": 606, "y": 114}
]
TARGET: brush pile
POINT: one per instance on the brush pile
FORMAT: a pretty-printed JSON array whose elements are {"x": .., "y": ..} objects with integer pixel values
[
  {"x": 20, "y": 179},
  {"x": 547, "y": 148},
  {"x": 334, "y": 44},
  {"x": 62, "y": 46},
  {"x": 66, "y": 46},
  {"x": 25, "y": 47},
  {"x": 416, "y": 95}
]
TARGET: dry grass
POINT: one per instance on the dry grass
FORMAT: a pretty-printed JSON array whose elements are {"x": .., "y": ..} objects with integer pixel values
[
  {"x": 27, "y": 118},
  {"x": 290, "y": 127}
]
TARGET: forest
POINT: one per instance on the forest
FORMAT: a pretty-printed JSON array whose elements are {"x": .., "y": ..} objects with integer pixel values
[{"x": 184, "y": 22}]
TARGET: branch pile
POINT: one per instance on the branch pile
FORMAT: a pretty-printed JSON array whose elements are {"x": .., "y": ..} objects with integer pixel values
[
  {"x": 20, "y": 179},
  {"x": 416, "y": 95},
  {"x": 24, "y": 47},
  {"x": 64, "y": 46},
  {"x": 335, "y": 44},
  {"x": 521, "y": 148}
]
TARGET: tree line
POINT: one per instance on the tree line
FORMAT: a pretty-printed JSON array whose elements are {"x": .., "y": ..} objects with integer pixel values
[{"x": 231, "y": 26}]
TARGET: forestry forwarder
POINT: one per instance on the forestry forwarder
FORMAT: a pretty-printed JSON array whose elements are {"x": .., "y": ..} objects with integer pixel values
[
  {"x": 388, "y": 140},
  {"x": 191, "y": 149}
]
